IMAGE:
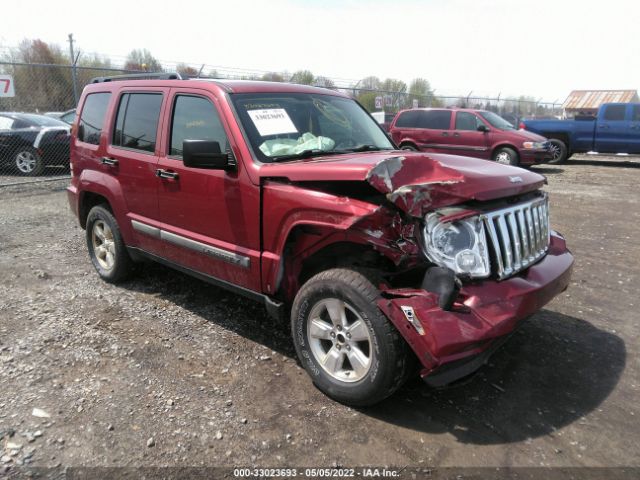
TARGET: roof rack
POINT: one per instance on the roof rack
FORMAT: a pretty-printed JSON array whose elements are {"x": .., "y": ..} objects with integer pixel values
[{"x": 138, "y": 76}]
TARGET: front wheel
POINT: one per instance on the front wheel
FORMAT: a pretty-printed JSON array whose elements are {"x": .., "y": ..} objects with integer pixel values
[
  {"x": 409, "y": 147},
  {"x": 506, "y": 156},
  {"x": 348, "y": 347}
]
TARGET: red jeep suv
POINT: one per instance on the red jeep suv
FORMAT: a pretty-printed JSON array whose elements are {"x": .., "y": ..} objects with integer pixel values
[
  {"x": 294, "y": 196},
  {"x": 472, "y": 133}
]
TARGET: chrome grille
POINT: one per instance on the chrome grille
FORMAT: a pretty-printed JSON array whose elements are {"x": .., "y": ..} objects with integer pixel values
[{"x": 519, "y": 235}]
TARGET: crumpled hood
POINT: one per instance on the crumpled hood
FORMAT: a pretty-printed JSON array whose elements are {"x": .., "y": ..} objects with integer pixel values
[{"x": 415, "y": 182}]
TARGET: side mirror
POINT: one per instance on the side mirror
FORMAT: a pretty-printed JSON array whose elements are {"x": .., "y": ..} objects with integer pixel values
[
  {"x": 483, "y": 128},
  {"x": 203, "y": 154}
]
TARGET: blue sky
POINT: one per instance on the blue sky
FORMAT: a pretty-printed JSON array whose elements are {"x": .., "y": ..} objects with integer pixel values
[{"x": 542, "y": 48}]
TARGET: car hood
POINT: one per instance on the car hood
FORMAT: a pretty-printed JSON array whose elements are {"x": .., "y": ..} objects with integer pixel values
[
  {"x": 415, "y": 182},
  {"x": 527, "y": 135}
]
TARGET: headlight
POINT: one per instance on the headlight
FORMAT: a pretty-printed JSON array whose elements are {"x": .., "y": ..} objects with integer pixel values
[
  {"x": 460, "y": 245},
  {"x": 534, "y": 145}
]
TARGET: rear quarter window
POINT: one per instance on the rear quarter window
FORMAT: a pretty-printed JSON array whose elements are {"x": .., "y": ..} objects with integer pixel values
[
  {"x": 408, "y": 119},
  {"x": 92, "y": 117}
]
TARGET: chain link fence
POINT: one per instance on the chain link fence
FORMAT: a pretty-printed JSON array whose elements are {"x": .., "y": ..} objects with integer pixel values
[{"x": 37, "y": 108}]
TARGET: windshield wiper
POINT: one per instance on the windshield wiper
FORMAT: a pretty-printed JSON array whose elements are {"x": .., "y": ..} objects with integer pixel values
[
  {"x": 304, "y": 154},
  {"x": 363, "y": 148}
]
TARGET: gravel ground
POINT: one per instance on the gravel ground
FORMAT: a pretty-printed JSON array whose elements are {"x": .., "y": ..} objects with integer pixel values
[{"x": 167, "y": 370}]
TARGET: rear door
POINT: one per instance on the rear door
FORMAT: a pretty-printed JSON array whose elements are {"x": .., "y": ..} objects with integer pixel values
[
  {"x": 634, "y": 129},
  {"x": 132, "y": 156},
  {"x": 612, "y": 129},
  {"x": 209, "y": 217},
  {"x": 435, "y": 131},
  {"x": 467, "y": 140}
]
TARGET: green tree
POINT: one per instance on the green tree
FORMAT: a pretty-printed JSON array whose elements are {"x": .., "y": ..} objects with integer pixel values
[
  {"x": 368, "y": 100},
  {"x": 142, "y": 60},
  {"x": 186, "y": 71},
  {"x": 397, "y": 90},
  {"x": 39, "y": 89},
  {"x": 420, "y": 89},
  {"x": 324, "y": 82},
  {"x": 273, "y": 77},
  {"x": 302, "y": 77}
]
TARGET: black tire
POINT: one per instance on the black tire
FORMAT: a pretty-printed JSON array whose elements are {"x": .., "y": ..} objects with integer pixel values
[
  {"x": 390, "y": 358},
  {"x": 409, "y": 147},
  {"x": 28, "y": 162},
  {"x": 559, "y": 151},
  {"x": 122, "y": 264},
  {"x": 506, "y": 156}
]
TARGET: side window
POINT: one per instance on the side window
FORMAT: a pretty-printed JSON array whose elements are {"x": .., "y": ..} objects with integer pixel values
[
  {"x": 635, "y": 113},
  {"x": 467, "y": 121},
  {"x": 614, "y": 112},
  {"x": 6, "y": 123},
  {"x": 92, "y": 118},
  {"x": 408, "y": 119},
  {"x": 435, "y": 119},
  {"x": 195, "y": 118},
  {"x": 137, "y": 121}
]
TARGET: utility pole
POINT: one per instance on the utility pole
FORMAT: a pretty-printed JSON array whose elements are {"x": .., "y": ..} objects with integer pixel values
[{"x": 74, "y": 73}]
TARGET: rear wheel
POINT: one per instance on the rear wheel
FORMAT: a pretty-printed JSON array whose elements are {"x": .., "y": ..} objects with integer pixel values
[
  {"x": 28, "y": 162},
  {"x": 506, "y": 156},
  {"x": 408, "y": 146},
  {"x": 559, "y": 151},
  {"x": 107, "y": 250},
  {"x": 349, "y": 348}
]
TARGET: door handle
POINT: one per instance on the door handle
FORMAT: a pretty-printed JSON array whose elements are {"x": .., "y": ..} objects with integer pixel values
[
  {"x": 112, "y": 162},
  {"x": 444, "y": 134},
  {"x": 160, "y": 173},
  {"x": 456, "y": 134},
  {"x": 604, "y": 126}
]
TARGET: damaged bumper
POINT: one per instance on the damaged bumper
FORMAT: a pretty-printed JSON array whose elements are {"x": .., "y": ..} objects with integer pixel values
[{"x": 452, "y": 344}]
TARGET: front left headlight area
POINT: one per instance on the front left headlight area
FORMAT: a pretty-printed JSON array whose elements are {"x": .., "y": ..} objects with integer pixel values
[
  {"x": 460, "y": 245},
  {"x": 534, "y": 145}
]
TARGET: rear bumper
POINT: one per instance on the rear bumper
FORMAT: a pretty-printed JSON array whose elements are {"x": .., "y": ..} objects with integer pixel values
[
  {"x": 72, "y": 198},
  {"x": 455, "y": 343}
]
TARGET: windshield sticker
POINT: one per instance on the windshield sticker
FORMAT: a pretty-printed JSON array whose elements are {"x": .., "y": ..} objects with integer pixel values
[{"x": 274, "y": 121}]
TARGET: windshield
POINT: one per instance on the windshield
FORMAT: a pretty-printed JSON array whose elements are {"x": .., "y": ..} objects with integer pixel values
[
  {"x": 496, "y": 121},
  {"x": 288, "y": 126}
]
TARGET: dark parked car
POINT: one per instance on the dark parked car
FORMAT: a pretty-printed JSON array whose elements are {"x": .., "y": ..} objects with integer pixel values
[
  {"x": 29, "y": 142},
  {"x": 294, "y": 196},
  {"x": 472, "y": 133}
]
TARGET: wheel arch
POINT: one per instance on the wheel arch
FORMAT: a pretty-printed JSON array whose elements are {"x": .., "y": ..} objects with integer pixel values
[
  {"x": 500, "y": 145},
  {"x": 562, "y": 136}
]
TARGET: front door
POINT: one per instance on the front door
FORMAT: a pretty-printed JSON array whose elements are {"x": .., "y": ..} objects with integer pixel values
[
  {"x": 210, "y": 218},
  {"x": 467, "y": 139},
  {"x": 612, "y": 129}
]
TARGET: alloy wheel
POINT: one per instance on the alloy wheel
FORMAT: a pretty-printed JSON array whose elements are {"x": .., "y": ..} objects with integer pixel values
[
  {"x": 26, "y": 161},
  {"x": 104, "y": 245},
  {"x": 339, "y": 339}
]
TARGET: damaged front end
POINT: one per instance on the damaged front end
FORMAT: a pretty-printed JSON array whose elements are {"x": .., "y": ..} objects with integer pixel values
[
  {"x": 492, "y": 261},
  {"x": 461, "y": 249}
]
